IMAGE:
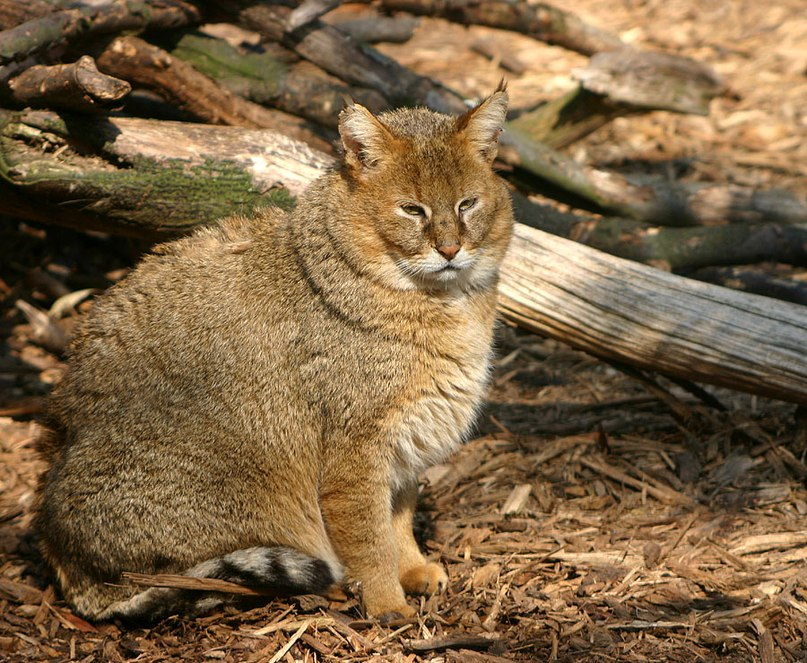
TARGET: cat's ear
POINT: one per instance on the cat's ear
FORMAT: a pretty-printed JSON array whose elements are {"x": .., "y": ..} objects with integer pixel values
[
  {"x": 482, "y": 125},
  {"x": 365, "y": 139}
]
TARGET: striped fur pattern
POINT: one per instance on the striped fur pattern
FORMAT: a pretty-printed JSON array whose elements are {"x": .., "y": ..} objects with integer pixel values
[{"x": 255, "y": 402}]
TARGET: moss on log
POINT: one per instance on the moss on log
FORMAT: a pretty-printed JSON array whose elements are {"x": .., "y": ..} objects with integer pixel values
[{"x": 144, "y": 178}]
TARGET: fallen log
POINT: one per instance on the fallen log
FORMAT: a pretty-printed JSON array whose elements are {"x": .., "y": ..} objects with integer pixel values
[
  {"x": 372, "y": 29},
  {"x": 539, "y": 21},
  {"x": 618, "y": 84},
  {"x": 153, "y": 179},
  {"x": 184, "y": 175},
  {"x": 756, "y": 281},
  {"x": 675, "y": 248},
  {"x": 645, "y": 317},
  {"x": 68, "y": 25},
  {"x": 265, "y": 79}
]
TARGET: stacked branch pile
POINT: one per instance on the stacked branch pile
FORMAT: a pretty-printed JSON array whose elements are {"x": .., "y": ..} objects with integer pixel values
[{"x": 141, "y": 118}]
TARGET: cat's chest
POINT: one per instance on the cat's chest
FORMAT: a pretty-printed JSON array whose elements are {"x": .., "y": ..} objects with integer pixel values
[{"x": 443, "y": 403}]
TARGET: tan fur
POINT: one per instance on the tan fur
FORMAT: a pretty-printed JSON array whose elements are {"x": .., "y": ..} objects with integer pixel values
[{"x": 281, "y": 380}]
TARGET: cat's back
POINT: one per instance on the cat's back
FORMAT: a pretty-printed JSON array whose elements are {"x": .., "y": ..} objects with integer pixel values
[{"x": 168, "y": 332}]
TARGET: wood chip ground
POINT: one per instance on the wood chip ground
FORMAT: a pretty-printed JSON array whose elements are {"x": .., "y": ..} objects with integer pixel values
[{"x": 588, "y": 520}]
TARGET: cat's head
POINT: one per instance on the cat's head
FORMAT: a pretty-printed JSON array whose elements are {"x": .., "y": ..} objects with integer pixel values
[{"x": 427, "y": 207}]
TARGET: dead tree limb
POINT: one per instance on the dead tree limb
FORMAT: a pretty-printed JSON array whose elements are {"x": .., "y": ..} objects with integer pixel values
[
  {"x": 651, "y": 81},
  {"x": 690, "y": 248},
  {"x": 755, "y": 281},
  {"x": 654, "y": 320},
  {"x": 373, "y": 29},
  {"x": 617, "y": 84},
  {"x": 333, "y": 51},
  {"x": 14, "y": 12},
  {"x": 674, "y": 248},
  {"x": 265, "y": 79},
  {"x": 539, "y": 21},
  {"x": 308, "y": 11},
  {"x": 75, "y": 86},
  {"x": 153, "y": 179},
  {"x": 67, "y": 25},
  {"x": 191, "y": 91}
]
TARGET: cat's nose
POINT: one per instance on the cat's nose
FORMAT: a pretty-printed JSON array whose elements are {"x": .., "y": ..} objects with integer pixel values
[{"x": 448, "y": 251}]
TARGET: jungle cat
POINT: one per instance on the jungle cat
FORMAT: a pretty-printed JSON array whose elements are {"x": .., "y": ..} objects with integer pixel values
[{"x": 254, "y": 402}]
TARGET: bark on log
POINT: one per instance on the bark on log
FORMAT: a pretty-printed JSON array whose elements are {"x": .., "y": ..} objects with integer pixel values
[
  {"x": 657, "y": 321},
  {"x": 651, "y": 81},
  {"x": 265, "y": 79},
  {"x": 308, "y": 11},
  {"x": 67, "y": 25},
  {"x": 617, "y": 84},
  {"x": 373, "y": 29},
  {"x": 674, "y": 248},
  {"x": 333, "y": 51},
  {"x": 14, "y": 12},
  {"x": 682, "y": 248},
  {"x": 153, "y": 179},
  {"x": 192, "y": 92},
  {"x": 539, "y": 21},
  {"x": 75, "y": 86},
  {"x": 755, "y": 281},
  {"x": 570, "y": 117}
]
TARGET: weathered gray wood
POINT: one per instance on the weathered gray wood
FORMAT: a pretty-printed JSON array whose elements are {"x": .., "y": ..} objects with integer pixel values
[
  {"x": 153, "y": 179},
  {"x": 621, "y": 310},
  {"x": 75, "y": 86}
]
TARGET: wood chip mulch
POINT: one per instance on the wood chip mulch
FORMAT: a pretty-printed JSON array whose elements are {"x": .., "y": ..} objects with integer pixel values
[{"x": 593, "y": 517}]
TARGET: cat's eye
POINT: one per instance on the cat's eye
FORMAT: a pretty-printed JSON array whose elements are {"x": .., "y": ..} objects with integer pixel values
[
  {"x": 466, "y": 204},
  {"x": 413, "y": 210}
]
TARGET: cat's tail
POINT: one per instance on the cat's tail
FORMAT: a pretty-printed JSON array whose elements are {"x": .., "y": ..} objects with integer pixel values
[{"x": 277, "y": 571}]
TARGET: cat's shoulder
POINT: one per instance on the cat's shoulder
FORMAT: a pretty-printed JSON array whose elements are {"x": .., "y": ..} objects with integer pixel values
[{"x": 232, "y": 235}]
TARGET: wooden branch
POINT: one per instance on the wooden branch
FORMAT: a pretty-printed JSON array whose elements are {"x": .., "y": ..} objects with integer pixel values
[
  {"x": 462, "y": 640},
  {"x": 67, "y": 25},
  {"x": 651, "y": 81},
  {"x": 657, "y": 321},
  {"x": 265, "y": 79},
  {"x": 154, "y": 179},
  {"x": 539, "y": 21},
  {"x": 570, "y": 117},
  {"x": 755, "y": 281},
  {"x": 76, "y": 86},
  {"x": 333, "y": 51},
  {"x": 191, "y": 91},
  {"x": 679, "y": 248},
  {"x": 617, "y": 84},
  {"x": 308, "y": 11},
  {"x": 674, "y": 248},
  {"x": 372, "y": 29},
  {"x": 14, "y": 12}
]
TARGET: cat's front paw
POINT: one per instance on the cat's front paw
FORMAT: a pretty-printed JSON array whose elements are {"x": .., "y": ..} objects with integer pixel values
[{"x": 428, "y": 578}]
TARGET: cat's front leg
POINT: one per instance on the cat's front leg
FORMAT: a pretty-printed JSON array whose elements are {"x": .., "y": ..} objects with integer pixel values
[
  {"x": 417, "y": 575},
  {"x": 358, "y": 516}
]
